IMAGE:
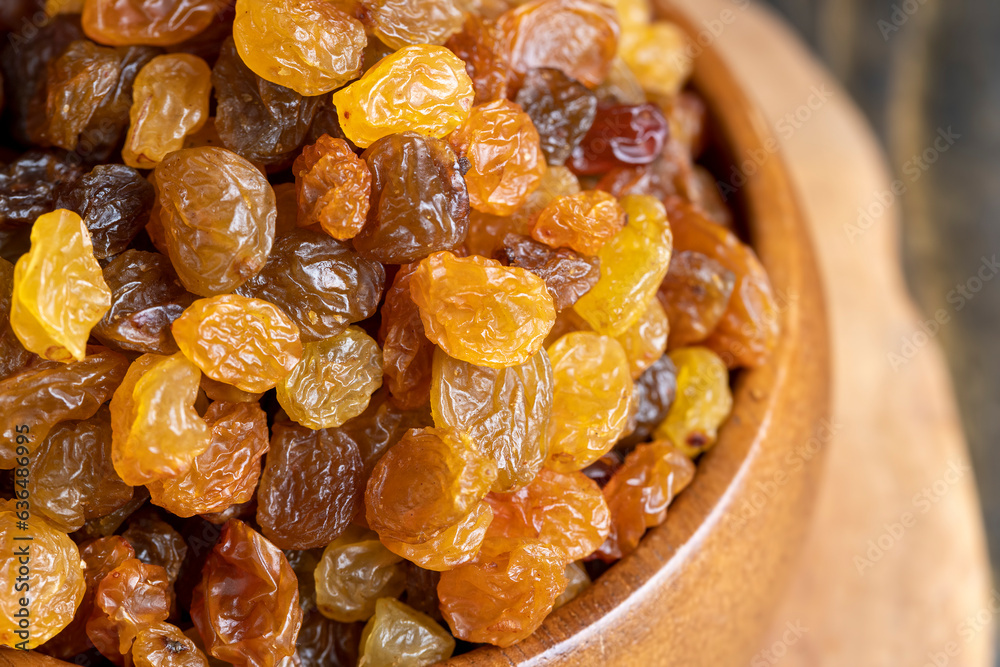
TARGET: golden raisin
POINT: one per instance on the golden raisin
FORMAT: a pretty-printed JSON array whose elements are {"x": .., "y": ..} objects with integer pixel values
[
  {"x": 333, "y": 186},
  {"x": 451, "y": 547},
  {"x": 703, "y": 401},
  {"x": 645, "y": 341},
  {"x": 354, "y": 572},
  {"x": 398, "y": 636},
  {"x": 162, "y": 23},
  {"x": 583, "y": 221}
]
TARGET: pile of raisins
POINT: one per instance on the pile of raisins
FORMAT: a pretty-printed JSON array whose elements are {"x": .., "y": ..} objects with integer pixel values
[{"x": 334, "y": 331}]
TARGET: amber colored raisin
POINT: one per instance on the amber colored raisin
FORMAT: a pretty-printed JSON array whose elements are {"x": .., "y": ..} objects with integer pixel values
[
  {"x": 584, "y": 221},
  {"x": 156, "y": 542},
  {"x": 567, "y": 274},
  {"x": 703, "y": 401},
  {"x": 59, "y": 292},
  {"x": 77, "y": 82},
  {"x": 311, "y": 486},
  {"x": 579, "y": 37},
  {"x": 645, "y": 341},
  {"x": 695, "y": 294},
  {"x": 226, "y": 473},
  {"x": 668, "y": 175},
  {"x": 478, "y": 45},
  {"x": 505, "y": 411},
  {"x": 72, "y": 478},
  {"x": 146, "y": 297},
  {"x": 164, "y": 23},
  {"x": 262, "y": 121},
  {"x": 217, "y": 213},
  {"x": 590, "y": 398},
  {"x": 310, "y": 46},
  {"x": 399, "y": 635},
  {"x": 55, "y": 577},
  {"x": 170, "y": 101},
  {"x": 399, "y": 23},
  {"x": 49, "y": 392},
  {"x": 354, "y": 572},
  {"x": 749, "y": 328},
  {"x": 131, "y": 596},
  {"x": 621, "y": 135},
  {"x": 453, "y": 476},
  {"x": 561, "y": 108},
  {"x": 156, "y": 432},
  {"x": 639, "y": 493},
  {"x": 505, "y": 161},
  {"x": 514, "y": 310},
  {"x": 419, "y": 200},
  {"x": 660, "y": 56},
  {"x": 246, "y": 607},
  {"x": 654, "y": 393},
  {"x": 451, "y": 547},
  {"x": 334, "y": 380},
  {"x": 501, "y": 599},
  {"x": 420, "y": 88},
  {"x": 164, "y": 645},
  {"x": 688, "y": 118},
  {"x": 564, "y": 510},
  {"x": 333, "y": 186},
  {"x": 114, "y": 202},
  {"x": 603, "y": 468},
  {"x": 406, "y": 352},
  {"x": 248, "y": 343},
  {"x": 319, "y": 282}
]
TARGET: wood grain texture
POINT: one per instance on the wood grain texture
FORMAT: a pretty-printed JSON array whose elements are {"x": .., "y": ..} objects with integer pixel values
[{"x": 898, "y": 430}]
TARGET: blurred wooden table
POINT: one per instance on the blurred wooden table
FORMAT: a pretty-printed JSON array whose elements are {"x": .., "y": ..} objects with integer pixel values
[{"x": 895, "y": 571}]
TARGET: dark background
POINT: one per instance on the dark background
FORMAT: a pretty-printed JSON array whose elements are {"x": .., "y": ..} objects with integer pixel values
[{"x": 914, "y": 67}]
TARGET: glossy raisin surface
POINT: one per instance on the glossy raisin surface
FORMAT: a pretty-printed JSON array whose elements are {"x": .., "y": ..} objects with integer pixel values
[
  {"x": 568, "y": 275},
  {"x": 333, "y": 187},
  {"x": 561, "y": 108},
  {"x": 620, "y": 135}
]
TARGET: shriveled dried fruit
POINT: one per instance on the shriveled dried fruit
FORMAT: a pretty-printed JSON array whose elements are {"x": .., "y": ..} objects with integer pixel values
[
  {"x": 566, "y": 511},
  {"x": 659, "y": 55},
  {"x": 263, "y": 121},
  {"x": 156, "y": 432},
  {"x": 164, "y": 645},
  {"x": 749, "y": 328},
  {"x": 131, "y": 596},
  {"x": 579, "y": 37},
  {"x": 426, "y": 483},
  {"x": 226, "y": 473},
  {"x": 311, "y": 487},
  {"x": 323, "y": 642},
  {"x": 645, "y": 341},
  {"x": 703, "y": 401},
  {"x": 420, "y": 88},
  {"x": 400, "y": 636},
  {"x": 310, "y": 46},
  {"x": 513, "y": 309},
  {"x": 170, "y": 101},
  {"x": 162, "y": 23},
  {"x": 695, "y": 294},
  {"x": 622, "y": 134},
  {"x": 419, "y": 201},
  {"x": 217, "y": 214},
  {"x": 590, "y": 399},
  {"x": 72, "y": 478},
  {"x": 156, "y": 542},
  {"x": 399, "y": 23},
  {"x": 30, "y": 186},
  {"x": 334, "y": 380},
  {"x": 78, "y": 80},
  {"x": 114, "y": 202},
  {"x": 319, "y": 282},
  {"x": 505, "y": 411},
  {"x": 451, "y": 547},
  {"x": 639, "y": 493},
  {"x": 407, "y": 354},
  {"x": 567, "y": 274},
  {"x": 333, "y": 186},
  {"x": 504, "y": 155},
  {"x": 355, "y": 571},
  {"x": 248, "y": 343},
  {"x": 46, "y": 393},
  {"x": 503, "y": 598},
  {"x": 146, "y": 297},
  {"x": 561, "y": 108},
  {"x": 381, "y": 426},
  {"x": 670, "y": 174},
  {"x": 59, "y": 292},
  {"x": 55, "y": 577},
  {"x": 654, "y": 393},
  {"x": 633, "y": 265},
  {"x": 584, "y": 221},
  {"x": 478, "y": 45},
  {"x": 246, "y": 607}
]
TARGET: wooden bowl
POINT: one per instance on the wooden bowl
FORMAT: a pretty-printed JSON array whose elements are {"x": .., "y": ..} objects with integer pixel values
[{"x": 700, "y": 589}]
